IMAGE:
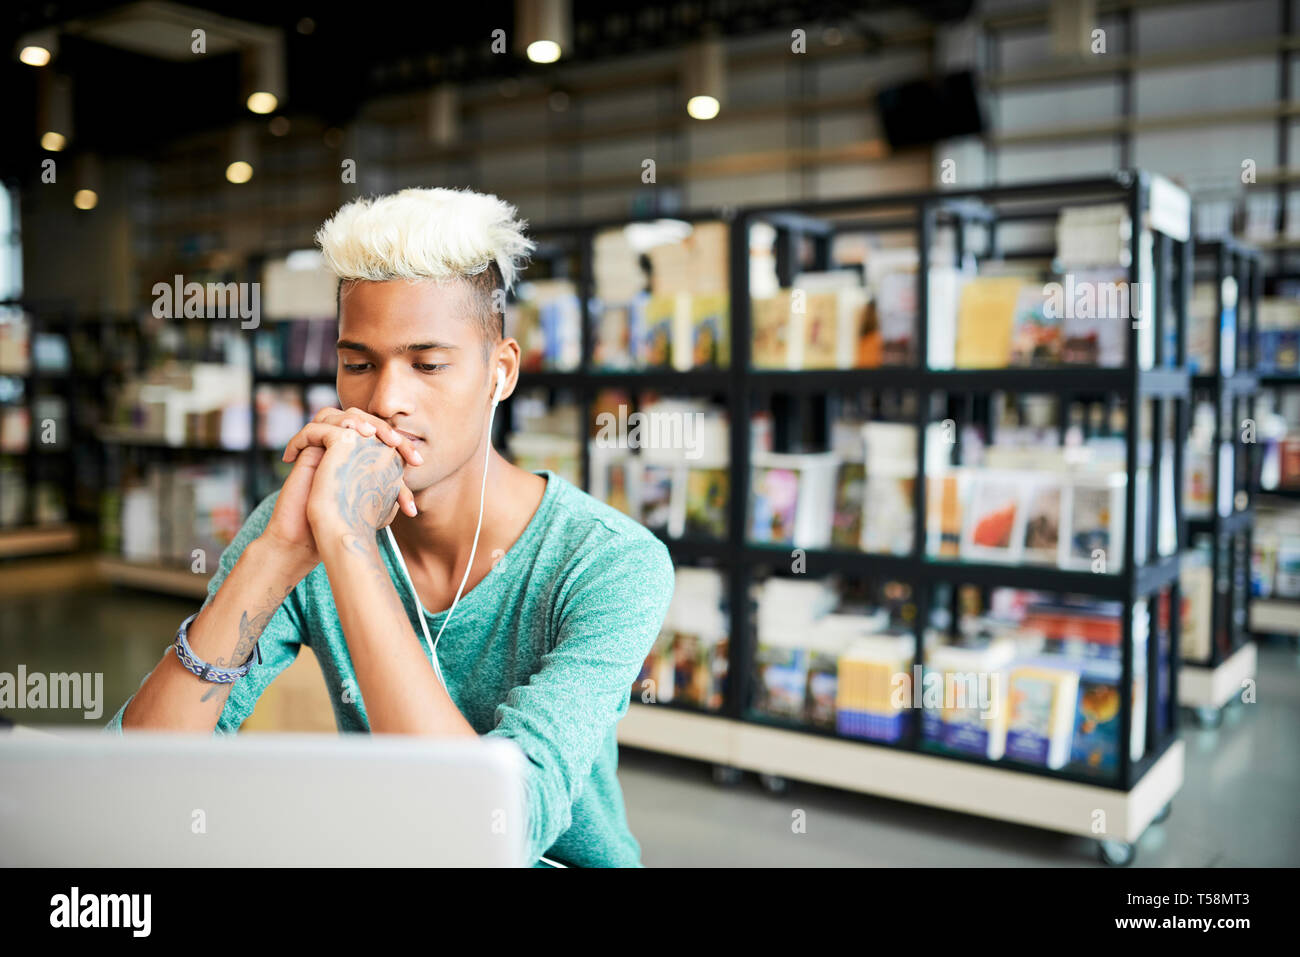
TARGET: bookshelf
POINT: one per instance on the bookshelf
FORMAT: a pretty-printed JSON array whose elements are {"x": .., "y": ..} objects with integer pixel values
[
  {"x": 40, "y": 384},
  {"x": 980, "y": 225},
  {"x": 1219, "y": 655}
]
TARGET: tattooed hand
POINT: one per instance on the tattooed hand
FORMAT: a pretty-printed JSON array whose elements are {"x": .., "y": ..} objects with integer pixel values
[{"x": 355, "y": 490}]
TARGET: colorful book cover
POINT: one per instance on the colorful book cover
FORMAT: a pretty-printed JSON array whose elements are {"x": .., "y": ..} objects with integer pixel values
[
  {"x": 1095, "y": 744},
  {"x": 1035, "y": 338},
  {"x": 656, "y": 496},
  {"x": 887, "y": 515},
  {"x": 1042, "y": 538},
  {"x": 771, "y": 320},
  {"x": 774, "y": 500},
  {"x": 658, "y": 342},
  {"x": 1096, "y": 317},
  {"x": 706, "y": 502},
  {"x": 820, "y": 330},
  {"x": 991, "y": 525},
  {"x": 949, "y": 516},
  {"x": 896, "y": 313},
  {"x": 709, "y": 330},
  {"x": 850, "y": 485},
  {"x": 984, "y": 322},
  {"x": 1040, "y": 711},
  {"x": 870, "y": 343},
  {"x": 1090, "y": 521}
]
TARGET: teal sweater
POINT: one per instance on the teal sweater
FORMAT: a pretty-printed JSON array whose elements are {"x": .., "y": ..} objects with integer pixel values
[{"x": 544, "y": 651}]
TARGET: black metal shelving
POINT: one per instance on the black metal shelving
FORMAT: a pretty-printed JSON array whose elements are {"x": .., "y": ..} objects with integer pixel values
[
  {"x": 1237, "y": 273},
  {"x": 803, "y": 396}
]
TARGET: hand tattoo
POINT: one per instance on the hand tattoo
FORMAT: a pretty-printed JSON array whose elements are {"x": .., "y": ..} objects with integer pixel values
[{"x": 368, "y": 485}]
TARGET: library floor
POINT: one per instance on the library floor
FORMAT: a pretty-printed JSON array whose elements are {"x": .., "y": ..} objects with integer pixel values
[{"x": 1237, "y": 807}]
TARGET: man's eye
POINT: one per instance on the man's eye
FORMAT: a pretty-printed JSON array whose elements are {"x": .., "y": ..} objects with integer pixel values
[
  {"x": 430, "y": 367},
  {"x": 355, "y": 366}
]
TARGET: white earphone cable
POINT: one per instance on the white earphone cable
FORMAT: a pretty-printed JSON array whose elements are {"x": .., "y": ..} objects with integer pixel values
[{"x": 432, "y": 646}]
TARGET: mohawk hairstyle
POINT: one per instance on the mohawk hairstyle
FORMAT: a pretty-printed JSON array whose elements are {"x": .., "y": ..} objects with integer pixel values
[{"x": 439, "y": 234}]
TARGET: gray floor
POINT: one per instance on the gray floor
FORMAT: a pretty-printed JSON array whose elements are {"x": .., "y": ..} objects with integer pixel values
[{"x": 1238, "y": 807}]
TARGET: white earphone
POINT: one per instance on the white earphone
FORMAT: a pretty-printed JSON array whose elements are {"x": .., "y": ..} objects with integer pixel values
[
  {"x": 496, "y": 397},
  {"x": 433, "y": 645}
]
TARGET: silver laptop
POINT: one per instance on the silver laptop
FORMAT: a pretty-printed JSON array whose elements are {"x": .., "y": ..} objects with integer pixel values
[{"x": 148, "y": 799}]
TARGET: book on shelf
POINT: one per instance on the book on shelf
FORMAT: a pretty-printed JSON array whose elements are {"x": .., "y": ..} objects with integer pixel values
[
  {"x": 985, "y": 319},
  {"x": 619, "y": 331},
  {"x": 546, "y": 319},
  {"x": 299, "y": 286},
  {"x": 1040, "y": 714},
  {"x": 1035, "y": 336},
  {"x": 874, "y": 687},
  {"x": 688, "y": 661},
  {"x": 792, "y": 498},
  {"x": 822, "y": 322},
  {"x": 1196, "y": 581},
  {"x": 15, "y": 428},
  {"x": 707, "y": 494},
  {"x": 1278, "y": 336},
  {"x": 185, "y": 515},
  {"x": 971, "y": 718},
  {"x": 1098, "y": 234},
  {"x": 15, "y": 342}
]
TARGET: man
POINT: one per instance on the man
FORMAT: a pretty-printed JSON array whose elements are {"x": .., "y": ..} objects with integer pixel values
[{"x": 565, "y": 595}]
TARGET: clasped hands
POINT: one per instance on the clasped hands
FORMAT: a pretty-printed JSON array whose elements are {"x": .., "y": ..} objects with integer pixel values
[{"x": 346, "y": 482}]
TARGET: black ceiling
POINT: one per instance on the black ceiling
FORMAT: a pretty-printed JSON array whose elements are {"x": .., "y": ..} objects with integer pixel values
[{"x": 131, "y": 103}]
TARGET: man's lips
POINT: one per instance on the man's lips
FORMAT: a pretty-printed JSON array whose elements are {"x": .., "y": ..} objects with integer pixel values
[{"x": 413, "y": 438}]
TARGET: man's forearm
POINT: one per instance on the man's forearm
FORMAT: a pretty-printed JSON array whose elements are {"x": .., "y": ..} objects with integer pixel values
[
  {"x": 224, "y": 634},
  {"x": 401, "y": 692}
]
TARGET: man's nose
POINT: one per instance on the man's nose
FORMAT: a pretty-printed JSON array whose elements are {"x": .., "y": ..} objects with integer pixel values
[{"x": 391, "y": 395}]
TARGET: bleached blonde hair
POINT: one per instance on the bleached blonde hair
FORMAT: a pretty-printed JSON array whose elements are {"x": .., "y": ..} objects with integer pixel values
[{"x": 439, "y": 234}]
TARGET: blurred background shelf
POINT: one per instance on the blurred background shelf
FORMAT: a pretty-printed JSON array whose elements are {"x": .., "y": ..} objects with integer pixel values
[
  {"x": 166, "y": 579},
  {"x": 38, "y": 540}
]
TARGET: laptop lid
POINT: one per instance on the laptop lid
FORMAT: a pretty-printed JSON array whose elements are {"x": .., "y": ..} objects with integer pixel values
[{"x": 89, "y": 799}]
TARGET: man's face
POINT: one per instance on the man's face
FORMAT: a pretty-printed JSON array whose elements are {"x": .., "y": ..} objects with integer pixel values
[{"x": 411, "y": 353}]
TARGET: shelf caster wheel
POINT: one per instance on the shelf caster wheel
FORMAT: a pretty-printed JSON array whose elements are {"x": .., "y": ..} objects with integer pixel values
[
  {"x": 726, "y": 776},
  {"x": 1208, "y": 717},
  {"x": 1164, "y": 813},
  {"x": 1116, "y": 853},
  {"x": 774, "y": 783}
]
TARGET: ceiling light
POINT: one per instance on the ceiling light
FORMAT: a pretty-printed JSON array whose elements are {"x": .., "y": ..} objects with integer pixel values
[
  {"x": 262, "y": 102},
  {"x": 703, "y": 78},
  {"x": 263, "y": 75},
  {"x": 86, "y": 176},
  {"x": 241, "y": 153},
  {"x": 543, "y": 51},
  {"x": 34, "y": 56},
  {"x": 38, "y": 48},
  {"x": 703, "y": 107},
  {"x": 54, "y": 111},
  {"x": 543, "y": 29}
]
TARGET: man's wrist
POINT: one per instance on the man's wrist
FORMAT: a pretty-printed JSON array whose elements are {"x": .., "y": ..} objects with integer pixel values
[
  {"x": 291, "y": 562},
  {"x": 338, "y": 541}
]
